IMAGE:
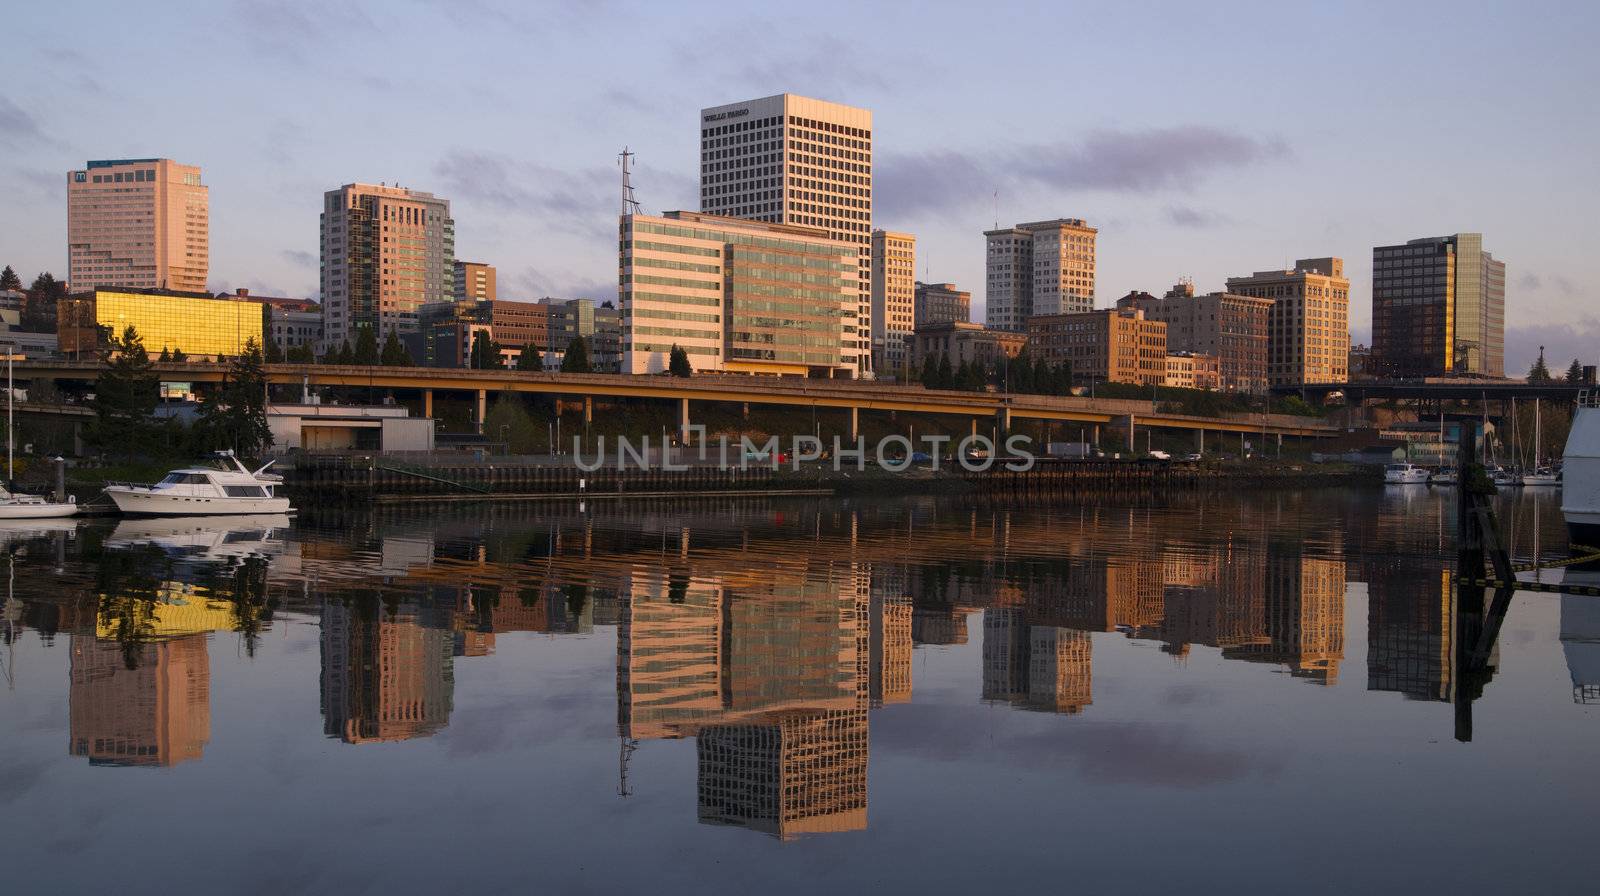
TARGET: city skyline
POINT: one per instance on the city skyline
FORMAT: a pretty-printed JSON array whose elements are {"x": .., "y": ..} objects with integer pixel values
[{"x": 1183, "y": 175}]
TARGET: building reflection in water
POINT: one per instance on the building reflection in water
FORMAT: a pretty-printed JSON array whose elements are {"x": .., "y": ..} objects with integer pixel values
[
  {"x": 1580, "y": 643},
  {"x": 772, "y": 672},
  {"x": 153, "y": 711},
  {"x": 387, "y": 670}
]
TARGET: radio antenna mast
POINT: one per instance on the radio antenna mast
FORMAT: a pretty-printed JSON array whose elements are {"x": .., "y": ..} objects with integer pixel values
[{"x": 630, "y": 205}]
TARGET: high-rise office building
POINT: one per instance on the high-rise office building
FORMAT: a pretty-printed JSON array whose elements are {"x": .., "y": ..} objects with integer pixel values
[
  {"x": 138, "y": 223},
  {"x": 1043, "y": 267},
  {"x": 1438, "y": 308},
  {"x": 894, "y": 295},
  {"x": 1309, "y": 324},
  {"x": 790, "y": 159},
  {"x": 474, "y": 281},
  {"x": 740, "y": 296},
  {"x": 386, "y": 252},
  {"x": 941, "y": 303}
]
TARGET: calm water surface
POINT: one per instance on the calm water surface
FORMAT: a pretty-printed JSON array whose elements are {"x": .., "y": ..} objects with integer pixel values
[{"x": 1253, "y": 692}]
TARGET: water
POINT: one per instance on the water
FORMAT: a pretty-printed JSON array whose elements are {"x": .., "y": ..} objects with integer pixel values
[{"x": 1254, "y": 691}]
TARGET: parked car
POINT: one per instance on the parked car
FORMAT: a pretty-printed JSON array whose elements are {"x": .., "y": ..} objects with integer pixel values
[
  {"x": 1158, "y": 454},
  {"x": 1194, "y": 457}
]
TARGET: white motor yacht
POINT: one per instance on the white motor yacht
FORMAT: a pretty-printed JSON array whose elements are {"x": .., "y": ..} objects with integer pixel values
[
  {"x": 1580, "y": 472},
  {"x": 1405, "y": 474},
  {"x": 227, "y": 487},
  {"x": 33, "y": 507}
]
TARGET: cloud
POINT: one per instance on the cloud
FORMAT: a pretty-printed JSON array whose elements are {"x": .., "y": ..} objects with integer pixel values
[
  {"x": 1184, "y": 216},
  {"x": 533, "y": 284},
  {"x": 1557, "y": 282},
  {"x": 1161, "y": 159},
  {"x": 18, "y": 128},
  {"x": 300, "y": 257},
  {"x": 525, "y": 188},
  {"x": 1562, "y": 343},
  {"x": 826, "y": 64},
  {"x": 291, "y": 29}
]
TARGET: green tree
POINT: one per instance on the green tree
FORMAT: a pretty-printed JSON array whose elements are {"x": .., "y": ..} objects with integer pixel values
[
  {"x": 125, "y": 395},
  {"x": 10, "y": 280},
  {"x": 508, "y": 420},
  {"x": 1021, "y": 374},
  {"x": 930, "y": 372},
  {"x": 946, "y": 377},
  {"x": 678, "y": 362},
  {"x": 346, "y": 355},
  {"x": 165, "y": 356},
  {"x": 235, "y": 415},
  {"x": 300, "y": 354},
  {"x": 366, "y": 352},
  {"x": 576, "y": 359},
  {"x": 39, "y": 304},
  {"x": 530, "y": 358},
  {"x": 1575, "y": 373},
  {"x": 394, "y": 351},
  {"x": 178, "y": 357},
  {"x": 485, "y": 354},
  {"x": 1539, "y": 374},
  {"x": 274, "y": 352}
]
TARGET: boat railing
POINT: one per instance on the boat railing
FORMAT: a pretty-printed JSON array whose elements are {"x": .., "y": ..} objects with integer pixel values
[
  {"x": 127, "y": 484},
  {"x": 1589, "y": 398}
]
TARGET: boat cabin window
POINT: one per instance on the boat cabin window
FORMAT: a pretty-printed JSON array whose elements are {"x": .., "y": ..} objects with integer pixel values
[
  {"x": 244, "y": 491},
  {"x": 1397, "y": 468},
  {"x": 186, "y": 479}
]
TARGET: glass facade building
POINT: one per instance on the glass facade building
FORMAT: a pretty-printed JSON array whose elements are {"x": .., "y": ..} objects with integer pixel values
[
  {"x": 1438, "y": 308},
  {"x": 196, "y": 323},
  {"x": 735, "y": 295}
]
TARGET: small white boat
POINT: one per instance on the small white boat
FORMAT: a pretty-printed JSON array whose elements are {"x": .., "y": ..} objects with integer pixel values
[
  {"x": 33, "y": 507},
  {"x": 228, "y": 487},
  {"x": 1445, "y": 476},
  {"x": 1500, "y": 476},
  {"x": 1405, "y": 474},
  {"x": 1544, "y": 476}
]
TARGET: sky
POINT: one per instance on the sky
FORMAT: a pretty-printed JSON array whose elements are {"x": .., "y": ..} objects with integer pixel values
[{"x": 1203, "y": 140}]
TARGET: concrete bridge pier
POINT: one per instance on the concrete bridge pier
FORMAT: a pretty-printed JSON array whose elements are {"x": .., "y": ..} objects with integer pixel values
[
  {"x": 1200, "y": 441},
  {"x": 588, "y": 410},
  {"x": 1002, "y": 424},
  {"x": 855, "y": 424},
  {"x": 482, "y": 409},
  {"x": 1131, "y": 450},
  {"x": 427, "y": 403},
  {"x": 683, "y": 420}
]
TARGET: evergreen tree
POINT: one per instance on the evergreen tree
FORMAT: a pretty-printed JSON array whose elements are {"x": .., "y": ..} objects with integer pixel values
[
  {"x": 576, "y": 360},
  {"x": 166, "y": 355},
  {"x": 178, "y": 357},
  {"x": 125, "y": 397},
  {"x": 394, "y": 351},
  {"x": 366, "y": 353},
  {"x": 678, "y": 362},
  {"x": 274, "y": 352},
  {"x": 1575, "y": 373},
  {"x": 300, "y": 354},
  {"x": 930, "y": 372},
  {"x": 39, "y": 304},
  {"x": 347, "y": 355},
  {"x": 530, "y": 358},
  {"x": 1022, "y": 373},
  {"x": 1539, "y": 374},
  {"x": 485, "y": 353},
  {"x": 235, "y": 416},
  {"x": 10, "y": 280},
  {"x": 945, "y": 378}
]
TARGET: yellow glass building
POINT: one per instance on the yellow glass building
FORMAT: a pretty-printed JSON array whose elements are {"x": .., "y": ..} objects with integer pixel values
[{"x": 196, "y": 323}]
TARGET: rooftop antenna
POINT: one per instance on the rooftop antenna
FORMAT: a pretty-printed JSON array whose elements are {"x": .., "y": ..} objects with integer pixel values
[
  {"x": 630, "y": 205},
  {"x": 996, "y": 209}
]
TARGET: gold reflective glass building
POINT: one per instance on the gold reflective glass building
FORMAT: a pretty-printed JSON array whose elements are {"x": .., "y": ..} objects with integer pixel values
[{"x": 194, "y": 322}]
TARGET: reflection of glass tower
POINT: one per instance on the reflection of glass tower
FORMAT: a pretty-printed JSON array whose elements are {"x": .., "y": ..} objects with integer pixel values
[
  {"x": 1304, "y": 616},
  {"x": 790, "y": 773},
  {"x": 1042, "y": 667},
  {"x": 158, "y": 713},
  {"x": 1580, "y": 641},
  {"x": 385, "y": 676},
  {"x": 1410, "y": 634},
  {"x": 890, "y": 620}
]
